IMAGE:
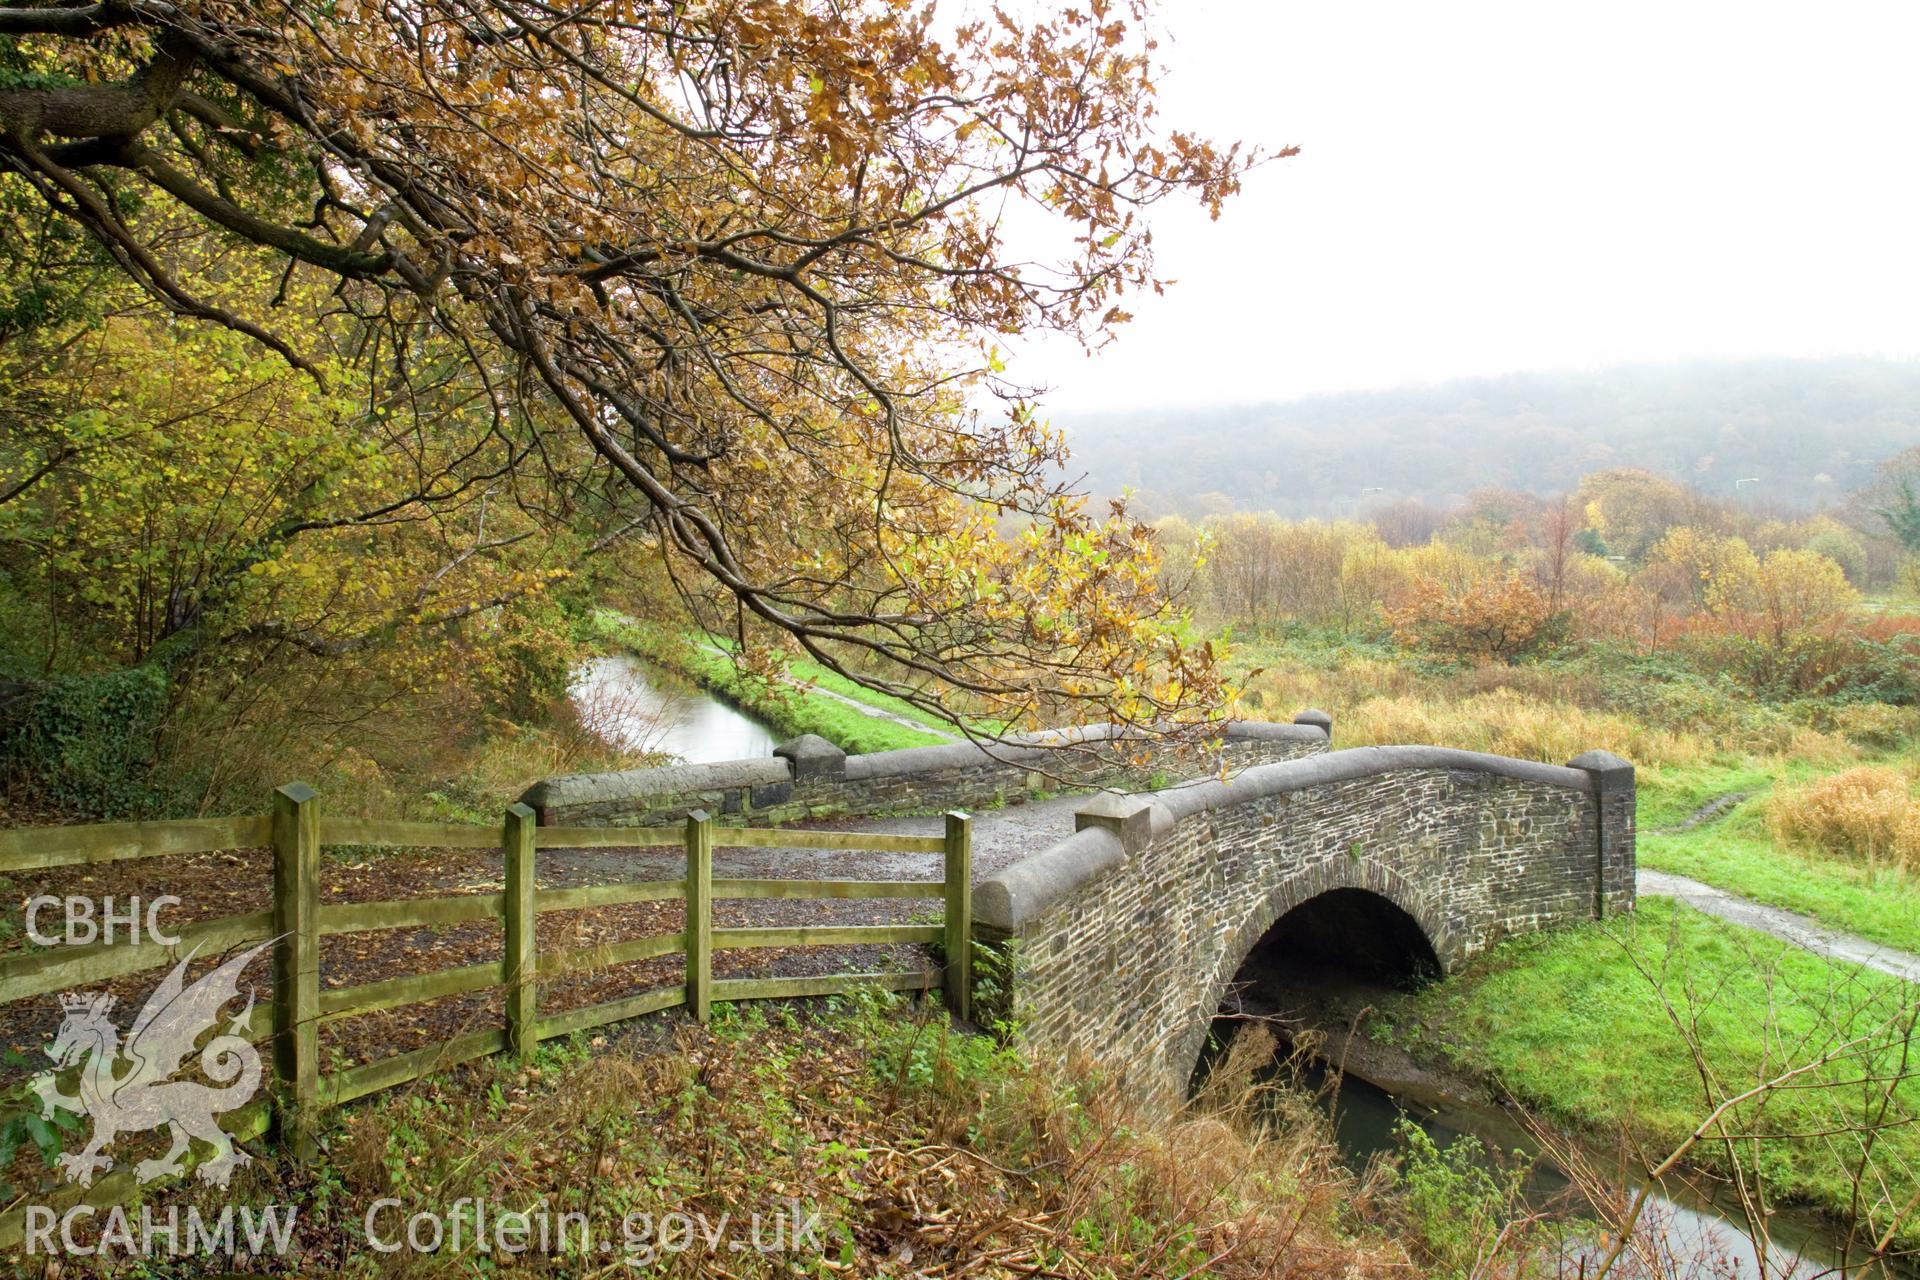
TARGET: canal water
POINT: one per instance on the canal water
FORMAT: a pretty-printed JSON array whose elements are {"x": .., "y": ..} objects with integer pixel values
[{"x": 643, "y": 708}]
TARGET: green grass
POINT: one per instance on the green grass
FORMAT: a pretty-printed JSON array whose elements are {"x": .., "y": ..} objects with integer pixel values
[
  {"x": 794, "y": 711},
  {"x": 1737, "y": 853},
  {"x": 813, "y": 673},
  {"x": 1668, "y": 796},
  {"x": 1566, "y": 1022},
  {"x": 1897, "y": 604}
]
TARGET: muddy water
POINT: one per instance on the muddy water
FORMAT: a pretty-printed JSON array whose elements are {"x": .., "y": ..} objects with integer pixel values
[
  {"x": 1689, "y": 1226},
  {"x": 1685, "y": 1224}
]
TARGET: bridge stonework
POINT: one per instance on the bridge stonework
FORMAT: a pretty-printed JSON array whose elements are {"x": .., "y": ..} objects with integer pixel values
[
  {"x": 1123, "y": 939},
  {"x": 810, "y": 777}
]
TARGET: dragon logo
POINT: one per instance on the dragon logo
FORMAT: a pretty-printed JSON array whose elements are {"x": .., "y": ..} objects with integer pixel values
[{"x": 129, "y": 1088}]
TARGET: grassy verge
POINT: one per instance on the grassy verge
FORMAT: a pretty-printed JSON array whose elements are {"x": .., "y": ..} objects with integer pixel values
[
  {"x": 793, "y": 711},
  {"x": 814, "y": 673},
  {"x": 1737, "y": 853},
  {"x": 895, "y": 1145},
  {"x": 1573, "y": 1023}
]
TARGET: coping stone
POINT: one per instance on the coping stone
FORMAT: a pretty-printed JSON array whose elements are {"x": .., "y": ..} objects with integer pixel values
[
  {"x": 812, "y": 756},
  {"x": 1129, "y": 817},
  {"x": 1317, "y": 719},
  {"x": 1609, "y": 770}
]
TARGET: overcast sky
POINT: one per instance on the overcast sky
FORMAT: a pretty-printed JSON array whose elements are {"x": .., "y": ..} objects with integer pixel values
[{"x": 1491, "y": 187}]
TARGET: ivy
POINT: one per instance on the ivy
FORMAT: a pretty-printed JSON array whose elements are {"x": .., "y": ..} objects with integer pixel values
[{"x": 87, "y": 742}]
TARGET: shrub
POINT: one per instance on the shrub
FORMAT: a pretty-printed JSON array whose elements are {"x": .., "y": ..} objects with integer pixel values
[
  {"x": 1457, "y": 1200},
  {"x": 1500, "y": 616},
  {"x": 86, "y": 743},
  {"x": 1873, "y": 725},
  {"x": 1868, "y": 814},
  {"x": 1839, "y": 545},
  {"x": 1844, "y": 667}
]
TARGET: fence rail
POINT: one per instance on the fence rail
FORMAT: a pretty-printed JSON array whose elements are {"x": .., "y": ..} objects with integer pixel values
[{"x": 296, "y": 832}]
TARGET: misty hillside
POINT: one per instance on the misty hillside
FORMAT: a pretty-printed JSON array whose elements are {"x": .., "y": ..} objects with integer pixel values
[{"x": 1808, "y": 430}]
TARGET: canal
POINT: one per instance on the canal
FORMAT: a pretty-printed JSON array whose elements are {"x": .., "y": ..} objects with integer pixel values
[{"x": 642, "y": 707}]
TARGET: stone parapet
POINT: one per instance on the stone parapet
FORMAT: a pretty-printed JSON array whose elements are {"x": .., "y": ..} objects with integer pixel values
[
  {"x": 1122, "y": 939},
  {"x": 809, "y": 777}
]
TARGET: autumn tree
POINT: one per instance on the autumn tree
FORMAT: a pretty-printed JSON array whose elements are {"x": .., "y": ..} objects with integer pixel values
[
  {"x": 1243, "y": 567},
  {"x": 1494, "y": 521},
  {"x": 1499, "y": 616},
  {"x": 1837, "y": 543},
  {"x": 1793, "y": 592},
  {"x": 1631, "y": 509},
  {"x": 1184, "y": 552},
  {"x": 1307, "y": 557},
  {"x": 1406, "y": 523},
  {"x": 1700, "y": 570},
  {"x": 738, "y": 254},
  {"x": 1260, "y": 568},
  {"x": 1554, "y": 530},
  {"x": 1371, "y": 575},
  {"x": 173, "y": 491},
  {"x": 207, "y": 561}
]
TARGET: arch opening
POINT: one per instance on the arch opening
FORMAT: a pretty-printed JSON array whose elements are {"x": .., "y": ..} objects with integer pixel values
[
  {"x": 1344, "y": 936},
  {"x": 1318, "y": 966}
]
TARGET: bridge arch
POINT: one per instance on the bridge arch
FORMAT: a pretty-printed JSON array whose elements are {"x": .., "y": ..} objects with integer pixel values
[
  {"x": 1123, "y": 938},
  {"x": 1353, "y": 890}
]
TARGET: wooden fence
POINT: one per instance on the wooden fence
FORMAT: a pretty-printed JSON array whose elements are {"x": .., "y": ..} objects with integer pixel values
[{"x": 296, "y": 831}]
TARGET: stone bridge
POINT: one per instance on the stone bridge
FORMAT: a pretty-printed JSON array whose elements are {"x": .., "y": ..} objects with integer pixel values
[{"x": 1123, "y": 938}]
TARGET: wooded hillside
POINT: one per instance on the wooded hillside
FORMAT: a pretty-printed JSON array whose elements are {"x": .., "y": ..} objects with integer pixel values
[{"x": 1808, "y": 430}]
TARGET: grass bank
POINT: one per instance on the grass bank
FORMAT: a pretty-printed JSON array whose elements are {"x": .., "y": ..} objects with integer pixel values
[
  {"x": 1584, "y": 1024},
  {"x": 794, "y": 709},
  {"x": 1735, "y": 851},
  {"x": 869, "y": 1138}
]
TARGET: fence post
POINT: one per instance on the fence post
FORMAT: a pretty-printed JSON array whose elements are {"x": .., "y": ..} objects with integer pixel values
[
  {"x": 959, "y": 857},
  {"x": 296, "y": 955},
  {"x": 699, "y": 937},
  {"x": 522, "y": 965}
]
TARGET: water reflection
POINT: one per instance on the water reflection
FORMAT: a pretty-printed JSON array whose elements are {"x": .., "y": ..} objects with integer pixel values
[
  {"x": 642, "y": 708},
  {"x": 1690, "y": 1235}
]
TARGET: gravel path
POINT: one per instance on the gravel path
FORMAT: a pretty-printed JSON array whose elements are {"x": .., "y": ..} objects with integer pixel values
[
  {"x": 1712, "y": 811},
  {"x": 1001, "y": 837},
  {"x": 1788, "y": 926}
]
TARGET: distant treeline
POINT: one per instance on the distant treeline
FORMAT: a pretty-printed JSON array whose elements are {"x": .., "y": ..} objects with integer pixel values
[
  {"x": 1629, "y": 561},
  {"x": 1786, "y": 435}
]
